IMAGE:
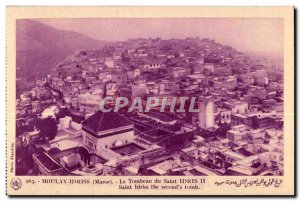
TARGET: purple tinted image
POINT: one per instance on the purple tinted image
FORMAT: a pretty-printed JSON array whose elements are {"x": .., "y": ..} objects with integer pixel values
[{"x": 132, "y": 97}]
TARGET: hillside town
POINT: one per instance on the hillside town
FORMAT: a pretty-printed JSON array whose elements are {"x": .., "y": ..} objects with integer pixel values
[{"x": 237, "y": 128}]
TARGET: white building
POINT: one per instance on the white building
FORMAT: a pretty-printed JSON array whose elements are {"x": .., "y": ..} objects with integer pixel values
[
  {"x": 206, "y": 114},
  {"x": 105, "y": 130}
]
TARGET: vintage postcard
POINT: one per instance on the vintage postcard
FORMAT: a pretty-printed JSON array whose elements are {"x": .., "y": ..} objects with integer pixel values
[{"x": 153, "y": 101}]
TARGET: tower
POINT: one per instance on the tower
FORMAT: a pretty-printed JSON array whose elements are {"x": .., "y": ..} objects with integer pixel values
[{"x": 206, "y": 113}]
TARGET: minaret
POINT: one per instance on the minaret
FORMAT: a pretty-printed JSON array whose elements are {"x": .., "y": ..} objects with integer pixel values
[{"x": 206, "y": 113}]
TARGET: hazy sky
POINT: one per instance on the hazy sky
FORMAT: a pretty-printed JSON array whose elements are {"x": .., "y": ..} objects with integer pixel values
[{"x": 244, "y": 34}]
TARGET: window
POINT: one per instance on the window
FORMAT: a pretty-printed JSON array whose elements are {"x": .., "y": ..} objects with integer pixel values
[{"x": 90, "y": 144}]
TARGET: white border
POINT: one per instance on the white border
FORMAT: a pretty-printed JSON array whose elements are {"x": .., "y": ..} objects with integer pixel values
[{"x": 4, "y": 3}]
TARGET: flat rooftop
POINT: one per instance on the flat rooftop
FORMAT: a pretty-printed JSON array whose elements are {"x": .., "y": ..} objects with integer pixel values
[{"x": 128, "y": 149}]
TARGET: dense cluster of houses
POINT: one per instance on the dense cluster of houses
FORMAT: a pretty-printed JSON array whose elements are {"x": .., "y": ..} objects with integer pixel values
[{"x": 237, "y": 131}]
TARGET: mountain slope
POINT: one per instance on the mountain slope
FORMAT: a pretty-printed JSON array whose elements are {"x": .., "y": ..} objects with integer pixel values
[{"x": 41, "y": 47}]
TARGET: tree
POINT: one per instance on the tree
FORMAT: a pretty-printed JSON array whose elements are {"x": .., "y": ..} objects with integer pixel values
[
  {"x": 47, "y": 128},
  {"x": 222, "y": 130}
]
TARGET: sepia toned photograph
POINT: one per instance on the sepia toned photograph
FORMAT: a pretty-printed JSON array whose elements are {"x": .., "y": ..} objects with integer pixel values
[{"x": 181, "y": 100}]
